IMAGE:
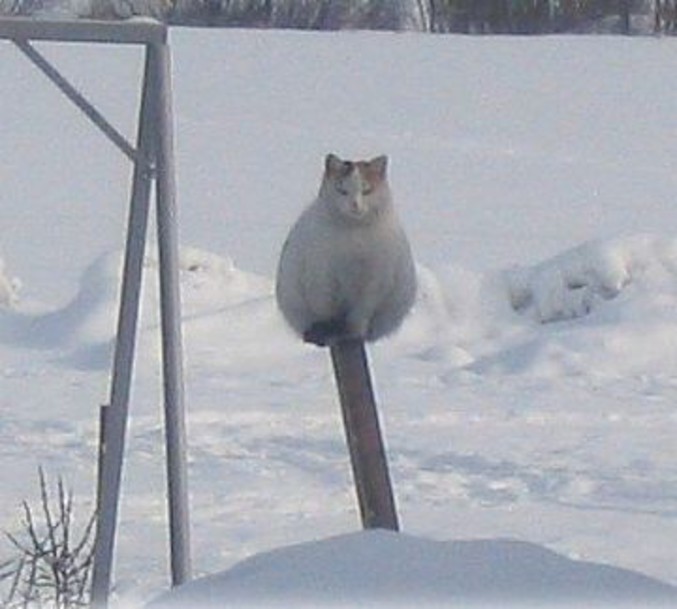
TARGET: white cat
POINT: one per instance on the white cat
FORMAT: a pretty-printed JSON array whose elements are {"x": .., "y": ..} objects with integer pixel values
[{"x": 346, "y": 269}]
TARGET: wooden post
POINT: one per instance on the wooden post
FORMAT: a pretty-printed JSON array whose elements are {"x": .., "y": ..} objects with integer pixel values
[{"x": 363, "y": 434}]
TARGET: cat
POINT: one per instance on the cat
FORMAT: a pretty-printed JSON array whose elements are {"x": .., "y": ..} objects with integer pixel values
[{"x": 346, "y": 270}]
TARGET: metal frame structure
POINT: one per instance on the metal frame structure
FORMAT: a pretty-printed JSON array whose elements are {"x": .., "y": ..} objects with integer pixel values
[{"x": 153, "y": 162}]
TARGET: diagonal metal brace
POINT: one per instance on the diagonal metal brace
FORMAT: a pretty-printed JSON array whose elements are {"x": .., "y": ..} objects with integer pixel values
[{"x": 81, "y": 102}]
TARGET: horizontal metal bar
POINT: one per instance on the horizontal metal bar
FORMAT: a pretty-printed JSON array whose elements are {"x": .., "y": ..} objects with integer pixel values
[
  {"x": 131, "y": 31},
  {"x": 77, "y": 98}
]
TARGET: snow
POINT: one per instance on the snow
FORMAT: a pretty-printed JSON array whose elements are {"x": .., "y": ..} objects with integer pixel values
[
  {"x": 530, "y": 394},
  {"x": 571, "y": 284},
  {"x": 9, "y": 288},
  {"x": 382, "y": 568}
]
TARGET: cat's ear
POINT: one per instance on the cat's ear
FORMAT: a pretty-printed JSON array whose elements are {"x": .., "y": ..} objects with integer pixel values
[
  {"x": 379, "y": 166},
  {"x": 337, "y": 168},
  {"x": 333, "y": 165}
]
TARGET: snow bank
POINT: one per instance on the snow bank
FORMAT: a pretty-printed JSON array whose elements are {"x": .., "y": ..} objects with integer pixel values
[
  {"x": 380, "y": 568},
  {"x": 86, "y": 325},
  {"x": 605, "y": 308},
  {"x": 9, "y": 288},
  {"x": 210, "y": 282},
  {"x": 576, "y": 282}
]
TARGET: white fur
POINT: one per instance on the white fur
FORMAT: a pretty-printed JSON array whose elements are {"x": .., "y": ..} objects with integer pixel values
[{"x": 347, "y": 256}]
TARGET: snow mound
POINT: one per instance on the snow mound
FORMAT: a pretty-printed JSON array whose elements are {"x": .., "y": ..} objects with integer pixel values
[
  {"x": 614, "y": 301},
  {"x": 389, "y": 569},
  {"x": 9, "y": 288},
  {"x": 210, "y": 282},
  {"x": 87, "y": 324},
  {"x": 574, "y": 283},
  {"x": 604, "y": 309}
]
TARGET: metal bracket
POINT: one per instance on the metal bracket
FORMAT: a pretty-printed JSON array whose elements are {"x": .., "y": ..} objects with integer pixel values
[
  {"x": 153, "y": 159},
  {"x": 82, "y": 103}
]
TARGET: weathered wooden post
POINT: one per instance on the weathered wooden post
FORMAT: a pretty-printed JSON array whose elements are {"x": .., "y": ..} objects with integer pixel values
[{"x": 363, "y": 434}]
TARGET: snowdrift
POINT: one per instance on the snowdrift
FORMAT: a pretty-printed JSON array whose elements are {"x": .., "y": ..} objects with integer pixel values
[
  {"x": 578, "y": 281},
  {"x": 604, "y": 308},
  {"x": 85, "y": 327},
  {"x": 385, "y": 569},
  {"x": 9, "y": 288}
]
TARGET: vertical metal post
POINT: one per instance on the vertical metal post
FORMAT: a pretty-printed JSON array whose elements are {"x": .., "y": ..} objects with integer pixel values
[
  {"x": 117, "y": 411},
  {"x": 363, "y": 434},
  {"x": 172, "y": 352}
]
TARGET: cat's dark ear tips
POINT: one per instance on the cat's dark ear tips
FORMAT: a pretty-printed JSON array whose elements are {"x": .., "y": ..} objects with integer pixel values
[
  {"x": 332, "y": 164},
  {"x": 336, "y": 167}
]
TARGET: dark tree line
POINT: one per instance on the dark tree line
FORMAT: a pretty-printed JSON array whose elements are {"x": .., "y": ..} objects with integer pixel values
[
  {"x": 442, "y": 16},
  {"x": 459, "y": 16},
  {"x": 533, "y": 16},
  {"x": 665, "y": 19},
  {"x": 298, "y": 14}
]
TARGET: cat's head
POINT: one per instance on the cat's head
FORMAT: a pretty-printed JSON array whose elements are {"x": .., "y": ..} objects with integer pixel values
[{"x": 357, "y": 190}]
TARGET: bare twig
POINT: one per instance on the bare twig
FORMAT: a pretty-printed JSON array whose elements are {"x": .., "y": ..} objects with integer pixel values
[{"x": 53, "y": 565}]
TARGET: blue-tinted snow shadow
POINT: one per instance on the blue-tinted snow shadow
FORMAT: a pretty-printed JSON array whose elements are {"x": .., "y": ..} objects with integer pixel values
[{"x": 379, "y": 568}]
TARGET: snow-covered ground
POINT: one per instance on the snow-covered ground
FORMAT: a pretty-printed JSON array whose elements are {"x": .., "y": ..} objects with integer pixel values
[
  {"x": 531, "y": 394},
  {"x": 386, "y": 569}
]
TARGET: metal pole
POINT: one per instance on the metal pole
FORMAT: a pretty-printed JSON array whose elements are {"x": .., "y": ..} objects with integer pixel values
[
  {"x": 78, "y": 99},
  {"x": 363, "y": 434},
  {"x": 172, "y": 352},
  {"x": 117, "y": 411}
]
